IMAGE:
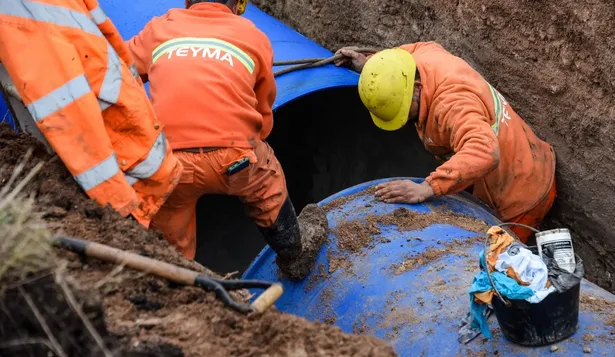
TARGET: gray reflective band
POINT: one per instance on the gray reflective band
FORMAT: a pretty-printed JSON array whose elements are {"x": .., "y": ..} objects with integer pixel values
[
  {"x": 99, "y": 173},
  {"x": 53, "y": 14},
  {"x": 59, "y": 98},
  {"x": 131, "y": 180},
  {"x": 134, "y": 70},
  {"x": 110, "y": 89},
  {"x": 98, "y": 15},
  {"x": 103, "y": 105},
  {"x": 154, "y": 160}
]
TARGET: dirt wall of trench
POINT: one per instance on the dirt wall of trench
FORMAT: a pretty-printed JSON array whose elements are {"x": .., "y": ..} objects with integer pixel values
[{"x": 553, "y": 60}]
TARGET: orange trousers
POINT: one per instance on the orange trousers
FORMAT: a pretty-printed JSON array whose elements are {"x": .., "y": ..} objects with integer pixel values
[
  {"x": 261, "y": 187},
  {"x": 535, "y": 216}
]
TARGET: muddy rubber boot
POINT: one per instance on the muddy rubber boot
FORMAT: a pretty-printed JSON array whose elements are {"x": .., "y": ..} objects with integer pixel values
[
  {"x": 297, "y": 241},
  {"x": 314, "y": 227}
]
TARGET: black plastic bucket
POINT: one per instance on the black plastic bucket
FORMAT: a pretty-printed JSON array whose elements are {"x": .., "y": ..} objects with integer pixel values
[{"x": 553, "y": 319}]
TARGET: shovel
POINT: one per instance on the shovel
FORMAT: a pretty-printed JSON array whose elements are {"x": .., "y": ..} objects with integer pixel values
[{"x": 176, "y": 274}]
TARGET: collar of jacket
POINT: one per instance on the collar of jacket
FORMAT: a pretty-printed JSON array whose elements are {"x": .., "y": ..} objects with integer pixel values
[
  {"x": 426, "y": 96},
  {"x": 210, "y": 6}
]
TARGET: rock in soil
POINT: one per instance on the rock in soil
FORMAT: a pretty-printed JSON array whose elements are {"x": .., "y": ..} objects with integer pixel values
[
  {"x": 314, "y": 227},
  {"x": 144, "y": 315}
]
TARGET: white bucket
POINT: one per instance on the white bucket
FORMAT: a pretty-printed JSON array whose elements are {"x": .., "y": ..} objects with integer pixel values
[{"x": 561, "y": 241}]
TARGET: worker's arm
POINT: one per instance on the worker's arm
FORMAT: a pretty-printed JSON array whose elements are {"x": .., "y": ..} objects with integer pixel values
[
  {"x": 461, "y": 117},
  {"x": 140, "y": 48},
  {"x": 265, "y": 89},
  {"x": 356, "y": 60}
]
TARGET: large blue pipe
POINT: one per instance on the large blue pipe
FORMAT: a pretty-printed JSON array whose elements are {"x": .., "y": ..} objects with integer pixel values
[
  {"x": 131, "y": 16},
  {"x": 417, "y": 309}
]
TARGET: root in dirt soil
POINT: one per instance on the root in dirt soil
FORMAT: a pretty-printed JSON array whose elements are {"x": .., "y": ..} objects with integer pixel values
[{"x": 136, "y": 314}]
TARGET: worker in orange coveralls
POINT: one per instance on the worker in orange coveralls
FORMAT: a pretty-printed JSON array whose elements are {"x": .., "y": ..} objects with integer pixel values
[
  {"x": 212, "y": 86},
  {"x": 73, "y": 72},
  {"x": 466, "y": 123}
]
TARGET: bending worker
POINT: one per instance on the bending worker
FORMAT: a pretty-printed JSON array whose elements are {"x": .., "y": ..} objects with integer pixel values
[
  {"x": 212, "y": 86},
  {"x": 483, "y": 144}
]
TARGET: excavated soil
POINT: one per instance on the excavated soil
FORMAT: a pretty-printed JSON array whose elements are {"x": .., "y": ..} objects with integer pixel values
[
  {"x": 432, "y": 254},
  {"x": 553, "y": 61},
  {"x": 146, "y": 316},
  {"x": 353, "y": 236}
]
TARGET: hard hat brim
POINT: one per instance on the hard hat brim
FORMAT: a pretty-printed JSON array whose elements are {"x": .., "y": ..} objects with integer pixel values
[{"x": 402, "y": 116}]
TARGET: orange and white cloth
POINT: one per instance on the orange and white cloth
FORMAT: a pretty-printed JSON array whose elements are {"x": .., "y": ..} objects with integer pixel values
[{"x": 506, "y": 256}]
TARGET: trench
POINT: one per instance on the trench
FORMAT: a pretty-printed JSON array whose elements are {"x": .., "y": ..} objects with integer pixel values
[{"x": 325, "y": 142}]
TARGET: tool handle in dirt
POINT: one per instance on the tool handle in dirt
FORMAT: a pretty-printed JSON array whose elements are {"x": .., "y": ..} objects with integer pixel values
[{"x": 165, "y": 270}]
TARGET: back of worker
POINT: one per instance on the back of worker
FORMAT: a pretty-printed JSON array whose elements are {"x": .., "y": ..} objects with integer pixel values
[
  {"x": 213, "y": 88},
  {"x": 210, "y": 76}
]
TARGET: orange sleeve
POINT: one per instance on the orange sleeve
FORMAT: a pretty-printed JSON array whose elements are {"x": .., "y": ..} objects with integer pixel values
[
  {"x": 140, "y": 47},
  {"x": 460, "y": 117},
  {"x": 265, "y": 90},
  {"x": 108, "y": 29}
]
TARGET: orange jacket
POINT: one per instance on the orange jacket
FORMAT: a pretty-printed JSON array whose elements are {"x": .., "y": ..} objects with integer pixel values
[
  {"x": 211, "y": 76},
  {"x": 77, "y": 79},
  {"x": 470, "y": 125}
]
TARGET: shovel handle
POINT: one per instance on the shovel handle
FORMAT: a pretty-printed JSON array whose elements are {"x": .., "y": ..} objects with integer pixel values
[{"x": 267, "y": 298}]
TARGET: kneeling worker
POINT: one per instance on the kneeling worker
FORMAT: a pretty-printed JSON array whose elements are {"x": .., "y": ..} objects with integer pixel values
[
  {"x": 483, "y": 144},
  {"x": 212, "y": 86}
]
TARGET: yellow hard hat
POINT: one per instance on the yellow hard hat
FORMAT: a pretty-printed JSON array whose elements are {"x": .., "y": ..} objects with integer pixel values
[
  {"x": 386, "y": 87},
  {"x": 241, "y": 6}
]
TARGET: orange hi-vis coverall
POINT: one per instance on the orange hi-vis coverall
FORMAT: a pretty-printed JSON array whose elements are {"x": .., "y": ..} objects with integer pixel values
[
  {"x": 75, "y": 75},
  {"x": 469, "y": 125},
  {"x": 212, "y": 85}
]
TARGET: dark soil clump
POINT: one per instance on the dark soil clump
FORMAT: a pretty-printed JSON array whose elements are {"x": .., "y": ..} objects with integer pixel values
[
  {"x": 407, "y": 220},
  {"x": 148, "y": 316},
  {"x": 316, "y": 277},
  {"x": 432, "y": 254},
  {"x": 356, "y": 235}
]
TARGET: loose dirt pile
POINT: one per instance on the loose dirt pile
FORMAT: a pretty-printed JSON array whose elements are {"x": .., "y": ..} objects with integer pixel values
[
  {"x": 353, "y": 236},
  {"x": 432, "y": 254},
  {"x": 553, "y": 61},
  {"x": 139, "y": 315}
]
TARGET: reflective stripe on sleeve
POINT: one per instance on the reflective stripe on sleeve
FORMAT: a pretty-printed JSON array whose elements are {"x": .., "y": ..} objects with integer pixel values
[
  {"x": 98, "y": 174},
  {"x": 59, "y": 98}
]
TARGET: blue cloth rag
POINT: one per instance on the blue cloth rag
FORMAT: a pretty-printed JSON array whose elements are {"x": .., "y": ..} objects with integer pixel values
[{"x": 508, "y": 287}]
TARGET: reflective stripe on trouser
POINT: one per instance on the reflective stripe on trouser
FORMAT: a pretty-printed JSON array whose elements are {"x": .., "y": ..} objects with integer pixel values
[{"x": 261, "y": 187}]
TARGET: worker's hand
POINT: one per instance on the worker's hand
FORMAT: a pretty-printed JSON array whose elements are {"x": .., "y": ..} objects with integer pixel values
[
  {"x": 404, "y": 191},
  {"x": 352, "y": 59}
]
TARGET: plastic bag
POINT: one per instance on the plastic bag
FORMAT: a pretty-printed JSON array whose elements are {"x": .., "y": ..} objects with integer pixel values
[{"x": 561, "y": 278}]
